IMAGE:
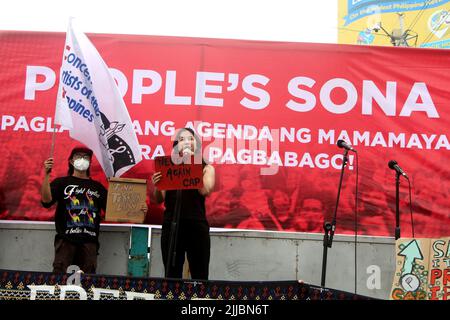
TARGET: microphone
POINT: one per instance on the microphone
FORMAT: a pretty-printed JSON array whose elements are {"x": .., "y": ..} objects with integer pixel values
[
  {"x": 343, "y": 144},
  {"x": 394, "y": 166},
  {"x": 186, "y": 150}
]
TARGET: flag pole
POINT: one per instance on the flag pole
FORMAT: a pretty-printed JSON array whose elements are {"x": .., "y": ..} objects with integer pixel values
[{"x": 52, "y": 147}]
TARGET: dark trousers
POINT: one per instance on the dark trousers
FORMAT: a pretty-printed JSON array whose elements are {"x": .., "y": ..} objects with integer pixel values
[
  {"x": 67, "y": 253},
  {"x": 194, "y": 241}
]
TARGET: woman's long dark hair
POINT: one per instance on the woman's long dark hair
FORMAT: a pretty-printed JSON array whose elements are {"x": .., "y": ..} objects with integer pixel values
[{"x": 198, "y": 149}]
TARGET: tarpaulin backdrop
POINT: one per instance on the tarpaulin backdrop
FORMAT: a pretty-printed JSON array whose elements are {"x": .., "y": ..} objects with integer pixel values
[{"x": 269, "y": 115}]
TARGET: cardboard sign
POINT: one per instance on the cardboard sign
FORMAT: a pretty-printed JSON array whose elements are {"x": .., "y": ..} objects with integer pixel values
[
  {"x": 178, "y": 176},
  {"x": 125, "y": 199},
  {"x": 422, "y": 269}
]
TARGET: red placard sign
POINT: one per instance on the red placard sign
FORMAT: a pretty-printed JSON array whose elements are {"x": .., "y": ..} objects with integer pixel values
[{"x": 178, "y": 176}]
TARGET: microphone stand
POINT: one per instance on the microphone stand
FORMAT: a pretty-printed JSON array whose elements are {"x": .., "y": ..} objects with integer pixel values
[
  {"x": 326, "y": 243},
  {"x": 330, "y": 227},
  {"x": 171, "y": 257},
  {"x": 397, "y": 205}
]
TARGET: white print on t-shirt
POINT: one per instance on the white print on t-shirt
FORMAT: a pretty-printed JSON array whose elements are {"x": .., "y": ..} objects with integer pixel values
[
  {"x": 90, "y": 193},
  {"x": 74, "y": 189},
  {"x": 79, "y": 230}
]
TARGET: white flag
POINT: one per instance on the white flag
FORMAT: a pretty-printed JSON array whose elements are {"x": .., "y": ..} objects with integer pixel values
[{"x": 90, "y": 106}]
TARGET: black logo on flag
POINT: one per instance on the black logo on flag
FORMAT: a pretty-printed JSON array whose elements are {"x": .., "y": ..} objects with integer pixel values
[{"x": 120, "y": 153}]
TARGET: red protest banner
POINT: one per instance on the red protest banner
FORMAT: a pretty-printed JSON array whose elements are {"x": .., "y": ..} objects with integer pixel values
[
  {"x": 178, "y": 176},
  {"x": 269, "y": 115}
]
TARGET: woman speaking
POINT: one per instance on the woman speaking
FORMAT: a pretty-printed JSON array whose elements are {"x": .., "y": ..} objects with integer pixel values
[{"x": 193, "y": 237}]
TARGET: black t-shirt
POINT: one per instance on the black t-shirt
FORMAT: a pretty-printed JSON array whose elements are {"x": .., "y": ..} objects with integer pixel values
[
  {"x": 192, "y": 205},
  {"x": 79, "y": 201}
]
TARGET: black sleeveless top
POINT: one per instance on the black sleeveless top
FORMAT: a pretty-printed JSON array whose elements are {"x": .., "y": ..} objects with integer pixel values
[{"x": 192, "y": 205}]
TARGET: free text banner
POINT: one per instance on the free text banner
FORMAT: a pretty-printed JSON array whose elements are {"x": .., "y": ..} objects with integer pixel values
[{"x": 25, "y": 285}]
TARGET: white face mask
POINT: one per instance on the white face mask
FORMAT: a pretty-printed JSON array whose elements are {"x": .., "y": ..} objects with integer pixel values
[{"x": 81, "y": 164}]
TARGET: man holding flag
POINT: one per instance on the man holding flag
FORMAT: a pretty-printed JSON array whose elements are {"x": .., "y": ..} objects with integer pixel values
[
  {"x": 78, "y": 212},
  {"x": 90, "y": 106}
]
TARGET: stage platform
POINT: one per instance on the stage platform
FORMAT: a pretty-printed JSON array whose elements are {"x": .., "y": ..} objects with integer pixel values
[
  {"x": 23, "y": 285},
  {"x": 237, "y": 256}
]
